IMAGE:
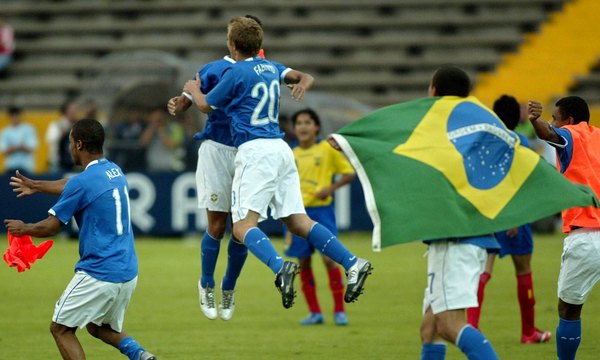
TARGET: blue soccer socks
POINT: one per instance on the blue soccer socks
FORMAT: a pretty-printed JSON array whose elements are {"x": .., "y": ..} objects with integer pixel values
[
  {"x": 236, "y": 257},
  {"x": 130, "y": 348},
  {"x": 327, "y": 243},
  {"x": 259, "y": 244},
  {"x": 568, "y": 337},
  {"x": 473, "y": 344},
  {"x": 209, "y": 254},
  {"x": 433, "y": 351}
]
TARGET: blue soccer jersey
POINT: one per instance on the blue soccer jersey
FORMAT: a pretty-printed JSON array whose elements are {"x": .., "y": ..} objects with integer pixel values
[
  {"x": 564, "y": 150},
  {"x": 99, "y": 201},
  {"x": 217, "y": 125},
  {"x": 249, "y": 93}
]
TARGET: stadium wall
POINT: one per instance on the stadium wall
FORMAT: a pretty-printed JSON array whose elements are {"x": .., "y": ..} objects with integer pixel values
[{"x": 165, "y": 204}]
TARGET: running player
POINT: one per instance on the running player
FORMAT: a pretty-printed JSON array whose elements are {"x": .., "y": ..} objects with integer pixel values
[{"x": 106, "y": 273}]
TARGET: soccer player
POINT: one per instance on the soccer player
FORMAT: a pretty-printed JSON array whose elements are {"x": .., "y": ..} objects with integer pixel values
[
  {"x": 214, "y": 175},
  {"x": 578, "y": 151},
  {"x": 265, "y": 173},
  {"x": 453, "y": 267},
  {"x": 318, "y": 163},
  {"x": 518, "y": 243},
  {"x": 106, "y": 273}
]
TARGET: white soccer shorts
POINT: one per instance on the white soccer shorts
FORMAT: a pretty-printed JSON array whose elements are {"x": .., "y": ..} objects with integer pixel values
[
  {"x": 89, "y": 300},
  {"x": 453, "y": 270},
  {"x": 265, "y": 176},
  {"x": 579, "y": 265},
  {"x": 214, "y": 176}
]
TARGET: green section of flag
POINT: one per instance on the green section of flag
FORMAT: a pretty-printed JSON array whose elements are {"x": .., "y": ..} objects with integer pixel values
[{"x": 409, "y": 200}]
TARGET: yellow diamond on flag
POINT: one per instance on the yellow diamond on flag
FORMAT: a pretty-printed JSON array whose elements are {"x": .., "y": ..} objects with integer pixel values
[{"x": 471, "y": 147}]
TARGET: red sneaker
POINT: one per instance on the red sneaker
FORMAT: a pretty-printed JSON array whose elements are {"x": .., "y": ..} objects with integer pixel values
[{"x": 538, "y": 336}]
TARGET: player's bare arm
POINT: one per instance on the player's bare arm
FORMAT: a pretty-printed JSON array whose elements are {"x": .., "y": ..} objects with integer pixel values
[
  {"x": 542, "y": 128},
  {"x": 178, "y": 104},
  {"x": 329, "y": 191},
  {"x": 24, "y": 186},
  {"x": 192, "y": 87},
  {"x": 300, "y": 83},
  {"x": 45, "y": 228}
]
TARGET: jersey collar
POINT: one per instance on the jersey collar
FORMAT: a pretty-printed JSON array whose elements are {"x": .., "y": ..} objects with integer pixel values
[{"x": 94, "y": 162}]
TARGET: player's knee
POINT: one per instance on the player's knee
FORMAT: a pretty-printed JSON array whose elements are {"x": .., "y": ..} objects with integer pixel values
[
  {"x": 217, "y": 231},
  {"x": 58, "y": 330},
  {"x": 92, "y": 329}
]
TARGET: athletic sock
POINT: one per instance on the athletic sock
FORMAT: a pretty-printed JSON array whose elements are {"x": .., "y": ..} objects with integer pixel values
[
  {"x": 526, "y": 303},
  {"x": 260, "y": 246},
  {"x": 236, "y": 257},
  {"x": 209, "y": 253},
  {"x": 130, "y": 348},
  {"x": 327, "y": 243},
  {"x": 568, "y": 337},
  {"x": 473, "y": 314},
  {"x": 474, "y": 344},
  {"x": 336, "y": 284},
  {"x": 309, "y": 289},
  {"x": 433, "y": 351}
]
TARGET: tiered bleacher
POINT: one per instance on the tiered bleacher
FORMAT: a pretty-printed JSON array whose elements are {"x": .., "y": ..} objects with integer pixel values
[{"x": 378, "y": 51}]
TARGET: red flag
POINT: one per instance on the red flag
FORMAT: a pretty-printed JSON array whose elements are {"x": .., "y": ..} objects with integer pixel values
[
  {"x": 261, "y": 54},
  {"x": 21, "y": 252}
]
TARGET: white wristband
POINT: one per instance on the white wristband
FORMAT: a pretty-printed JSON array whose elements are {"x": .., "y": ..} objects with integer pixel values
[{"x": 188, "y": 96}]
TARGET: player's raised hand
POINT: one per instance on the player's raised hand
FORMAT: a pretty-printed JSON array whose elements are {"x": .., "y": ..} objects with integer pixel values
[
  {"x": 172, "y": 105},
  {"x": 534, "y": 110},
  {"x": 22, "y": 185}
]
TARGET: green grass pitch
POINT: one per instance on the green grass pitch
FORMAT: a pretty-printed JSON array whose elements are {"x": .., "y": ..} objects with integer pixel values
[{"x": 384, "y": 323}]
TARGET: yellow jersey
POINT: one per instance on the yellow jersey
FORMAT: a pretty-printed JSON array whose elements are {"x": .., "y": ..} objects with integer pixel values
[{"x": 316, "y": 166}]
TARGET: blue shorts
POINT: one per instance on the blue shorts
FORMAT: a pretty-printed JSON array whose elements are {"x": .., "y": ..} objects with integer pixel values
[
  {"x": 300, "y": 248},
  {"x": 520, "y": 244}
]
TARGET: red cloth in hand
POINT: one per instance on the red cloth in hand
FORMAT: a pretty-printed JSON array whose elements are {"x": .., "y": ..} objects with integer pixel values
[{"x": 21, "y": 252}]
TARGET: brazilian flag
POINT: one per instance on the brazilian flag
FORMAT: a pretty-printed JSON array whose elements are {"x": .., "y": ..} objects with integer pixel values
[{"x": 442, "y": 167}]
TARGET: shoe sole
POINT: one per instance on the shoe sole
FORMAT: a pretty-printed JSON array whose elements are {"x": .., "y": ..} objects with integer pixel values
[
  {"x": 288, "y": 294},
  {"x": 353, "y": 294}
]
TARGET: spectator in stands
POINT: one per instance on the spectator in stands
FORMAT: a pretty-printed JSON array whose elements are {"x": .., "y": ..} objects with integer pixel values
[
  {"x": 18, "y": 142},
  {"x": 163, "y": 140},
  {"x": 125, "y": 148},
  {"x": 57, "y": 139},
  {"x": 7, "y": 44}
]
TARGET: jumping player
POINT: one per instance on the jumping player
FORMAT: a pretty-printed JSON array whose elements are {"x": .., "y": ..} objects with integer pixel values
[
  {"x": 265, "y": 173},
  {"x": 214, "y": 175}
]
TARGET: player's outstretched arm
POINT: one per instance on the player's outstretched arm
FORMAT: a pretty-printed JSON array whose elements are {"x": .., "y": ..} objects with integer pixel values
[
  {"x": 24, "y": 186},
  {"x": 300, "y": 83},
  {"x": 192, "y": 87},
  {"x": 45, "y": 228},
  {"x": 178, "y": 104},
  {"x": 542, "y": 128}
]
